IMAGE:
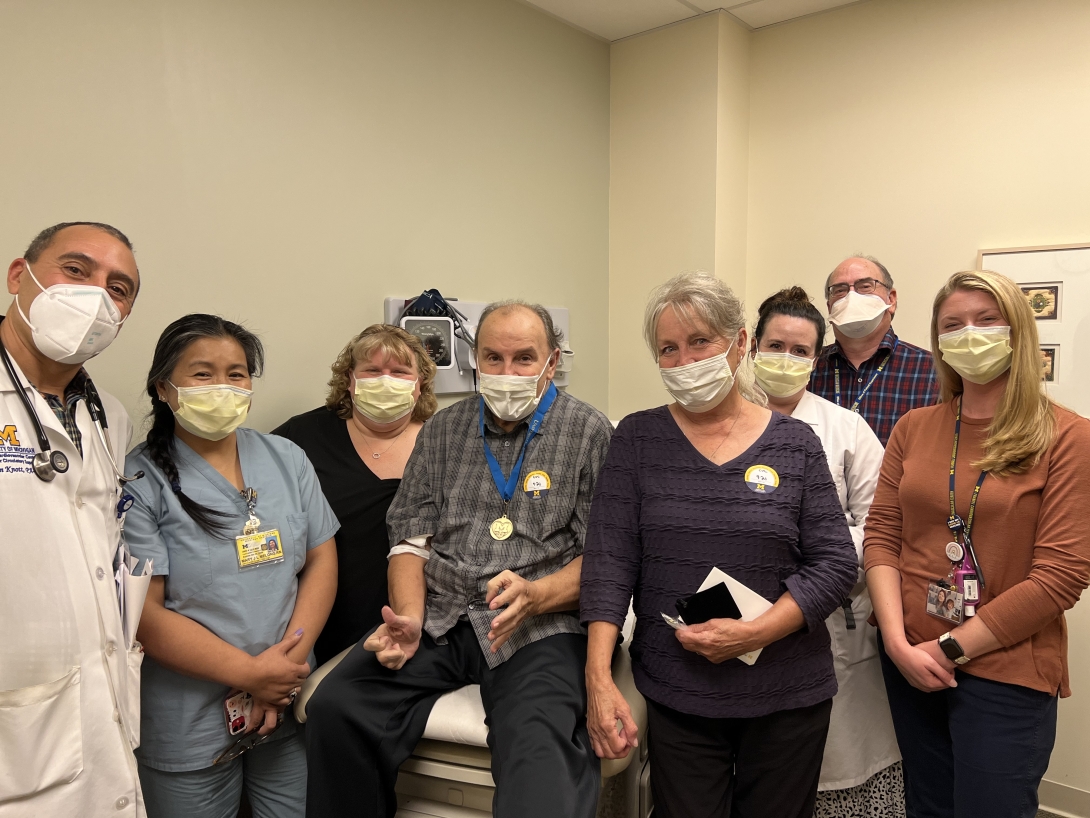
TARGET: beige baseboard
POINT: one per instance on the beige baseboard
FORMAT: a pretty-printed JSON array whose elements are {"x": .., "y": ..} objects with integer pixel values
[{"x": 1064, "y": 800}]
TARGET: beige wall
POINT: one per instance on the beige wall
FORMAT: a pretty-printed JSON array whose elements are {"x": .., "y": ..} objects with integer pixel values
[
  {"x": 292, "y": 163},
  {"x": 678, "y": 166},
  {"x": 921, "y": 131}
]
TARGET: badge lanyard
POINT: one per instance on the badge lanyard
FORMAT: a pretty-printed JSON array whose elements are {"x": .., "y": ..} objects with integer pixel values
[
  {"x": 870, "y": 383},
  {"x": 957, "y": 525},
  {"x": 502, "y": 528}
]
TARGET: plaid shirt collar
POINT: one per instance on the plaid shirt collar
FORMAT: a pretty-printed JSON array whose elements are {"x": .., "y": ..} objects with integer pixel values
[
  {"x": 889, "y": 341},
  {"x": 493, "y": 428},
  {"x": 66, "y": 410}
]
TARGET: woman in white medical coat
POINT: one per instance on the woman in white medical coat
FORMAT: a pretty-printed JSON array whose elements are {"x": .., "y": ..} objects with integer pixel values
[
  {"x": 69, "y": 688},
  {"x": 860, "y": 773}
]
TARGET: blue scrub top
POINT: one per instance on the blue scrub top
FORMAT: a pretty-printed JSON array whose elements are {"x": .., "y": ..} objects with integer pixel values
[{"x": 182, "y": 719}]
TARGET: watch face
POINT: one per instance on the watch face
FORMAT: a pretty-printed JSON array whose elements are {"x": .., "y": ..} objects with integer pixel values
[
  {"x": 436, "y": 334},
  {"x": 951, "y": 648}
]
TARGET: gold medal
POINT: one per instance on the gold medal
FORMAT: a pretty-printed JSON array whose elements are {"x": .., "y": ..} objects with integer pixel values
[{"x": 501, "y": 528}]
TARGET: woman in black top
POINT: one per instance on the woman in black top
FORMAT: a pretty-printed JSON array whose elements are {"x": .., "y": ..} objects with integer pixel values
[{"x": 379, "y": 397}]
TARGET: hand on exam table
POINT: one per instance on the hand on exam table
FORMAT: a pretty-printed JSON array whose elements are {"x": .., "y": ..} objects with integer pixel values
[
  {"x": 396, "y": 640},
  {"x": 613, "y": 732}
]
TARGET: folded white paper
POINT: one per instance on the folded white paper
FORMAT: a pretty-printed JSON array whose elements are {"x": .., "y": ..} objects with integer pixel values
[
  {"x": 134, "y": 592},
  {"x": 749, "y": 602}
]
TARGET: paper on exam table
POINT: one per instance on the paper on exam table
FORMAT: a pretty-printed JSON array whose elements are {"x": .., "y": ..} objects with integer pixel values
[{"x": 750, "y": 603}]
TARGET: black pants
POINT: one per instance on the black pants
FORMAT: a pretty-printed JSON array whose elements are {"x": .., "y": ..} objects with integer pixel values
[
  {"x": 763, "y": 767},
  {"x": 364, "y": 720},
  {"x": 978, "y": 749}
]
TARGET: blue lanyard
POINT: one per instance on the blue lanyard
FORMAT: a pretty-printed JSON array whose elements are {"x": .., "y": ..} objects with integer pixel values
[
  {"x": 870, "y": 383},
  {"x": 506, "y": 486},
  {"x": 955, "y": 522}
]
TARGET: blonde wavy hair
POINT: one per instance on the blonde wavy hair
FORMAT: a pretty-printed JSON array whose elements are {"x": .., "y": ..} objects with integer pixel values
[
  {"x": 398, "y": 344},
  {"x": 1025, "y": 423},
  {"x": 701, "y": 297}
]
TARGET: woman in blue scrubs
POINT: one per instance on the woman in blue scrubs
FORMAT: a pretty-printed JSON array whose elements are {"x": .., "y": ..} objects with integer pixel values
[{"x": 245, "y": 572}]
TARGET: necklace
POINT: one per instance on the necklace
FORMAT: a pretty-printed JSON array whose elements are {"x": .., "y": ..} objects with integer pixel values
[
  {"x": 377, "y": 455},
  {"x": 737, "y": 415}
]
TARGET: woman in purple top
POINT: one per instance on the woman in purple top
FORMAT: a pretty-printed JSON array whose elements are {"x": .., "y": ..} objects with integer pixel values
[{"x": 716, "y": 480}]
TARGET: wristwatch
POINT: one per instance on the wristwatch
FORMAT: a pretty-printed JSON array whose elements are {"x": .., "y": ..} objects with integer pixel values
[{"x": 952, "y": 649}]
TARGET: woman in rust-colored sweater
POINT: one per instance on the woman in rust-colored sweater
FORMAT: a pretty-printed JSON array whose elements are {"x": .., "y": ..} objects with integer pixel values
[{"x": 970, "y": 596}]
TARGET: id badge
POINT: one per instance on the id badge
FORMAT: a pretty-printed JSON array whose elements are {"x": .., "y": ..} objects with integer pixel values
[
  {"x": 236, "y": 709},
  {"x": 944, "y": 602},
  {"x": 261, "y": 548}
]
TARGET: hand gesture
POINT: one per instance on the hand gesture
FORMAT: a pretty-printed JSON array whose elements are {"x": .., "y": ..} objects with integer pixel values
[
  {"x": 605, "y": 708},
  {"x": 274, "y": 676},
  {"x": 718, "y": 640},
  {"x": 396, "y": 640},
  {"x": 518, "y": 595}
]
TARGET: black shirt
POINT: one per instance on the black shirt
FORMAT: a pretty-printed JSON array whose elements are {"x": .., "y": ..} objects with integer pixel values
[{"x": 360, "y": 500}]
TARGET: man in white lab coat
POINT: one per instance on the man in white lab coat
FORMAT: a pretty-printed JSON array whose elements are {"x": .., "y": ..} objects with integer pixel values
[{"x": 69, "y": 685}]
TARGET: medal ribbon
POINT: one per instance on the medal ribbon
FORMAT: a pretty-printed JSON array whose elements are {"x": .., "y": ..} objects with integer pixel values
[
  {"x": 954, "y": 522},
  {"x": 506, "y": 486},
  {"x": 870, "y": 383}
]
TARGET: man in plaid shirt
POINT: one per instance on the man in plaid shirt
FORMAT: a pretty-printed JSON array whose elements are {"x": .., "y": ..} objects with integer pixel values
[
  {"x": 869, "y": 369},
  {"x": 484, "y": 589}
]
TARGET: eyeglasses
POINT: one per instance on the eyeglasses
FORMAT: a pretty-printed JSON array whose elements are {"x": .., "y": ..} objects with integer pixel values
[
  {"x": 246, "y": 742},
  {"x": 863, "y": 286}
]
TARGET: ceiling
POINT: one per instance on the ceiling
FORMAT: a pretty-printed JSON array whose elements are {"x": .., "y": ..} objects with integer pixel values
[{"x": 617, "y": 19}]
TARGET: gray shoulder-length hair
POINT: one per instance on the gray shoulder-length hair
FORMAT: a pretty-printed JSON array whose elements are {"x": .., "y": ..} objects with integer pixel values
[{"x": 700, "y": 297}]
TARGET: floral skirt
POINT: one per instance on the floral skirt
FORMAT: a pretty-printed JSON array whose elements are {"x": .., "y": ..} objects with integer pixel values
[{"x": 880, "y": 796}]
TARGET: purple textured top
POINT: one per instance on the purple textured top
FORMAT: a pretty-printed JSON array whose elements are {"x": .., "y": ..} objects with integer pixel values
[{"x": 663, "y": 515}]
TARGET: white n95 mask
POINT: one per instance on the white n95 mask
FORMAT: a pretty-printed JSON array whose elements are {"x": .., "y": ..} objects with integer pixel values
[
  {"x": 212, "y": 411},
  {"x": 781, "y": 374},
  {"x": 701, "y": 385},
  {"x": 384, "y": 399},
  {"x": 857, "y": 316},
  {"x": 70, "y": 323},
  {"x": 978, "y": 354},
  {"x": 511, "y": 397}
]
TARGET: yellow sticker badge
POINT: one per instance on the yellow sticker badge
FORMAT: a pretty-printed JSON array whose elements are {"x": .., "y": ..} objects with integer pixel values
[
  {"x": 762, "y": 479},
  {"x": 537, "y": 485}
]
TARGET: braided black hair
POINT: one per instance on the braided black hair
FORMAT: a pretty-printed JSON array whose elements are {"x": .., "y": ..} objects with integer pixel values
[
  {"x": 795, "y": 303},
  {"x": 160, "y": 440}
]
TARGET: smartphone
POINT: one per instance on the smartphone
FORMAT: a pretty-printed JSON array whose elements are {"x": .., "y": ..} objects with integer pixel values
[
  {"x": 711, "y": 603},
  {"x": 236, "y": 709}
]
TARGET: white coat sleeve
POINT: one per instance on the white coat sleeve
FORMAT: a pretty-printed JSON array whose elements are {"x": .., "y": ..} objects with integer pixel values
[{"x": 861, "y": 467}]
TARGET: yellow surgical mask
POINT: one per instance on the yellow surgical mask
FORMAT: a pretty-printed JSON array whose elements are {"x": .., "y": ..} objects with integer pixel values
[
  {"x": 781, "y": 374},
  {"x": 978, "y": 354},
  {"x": 384, "y": 399},
  {"x": 212, "y": 411}
]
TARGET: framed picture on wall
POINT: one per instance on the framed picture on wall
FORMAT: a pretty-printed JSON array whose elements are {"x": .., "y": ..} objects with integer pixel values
[
  {"x": 1050, "y": 360},
  {"x": 1044, "y": 299},
  {"x": 1056, "y": 283}
]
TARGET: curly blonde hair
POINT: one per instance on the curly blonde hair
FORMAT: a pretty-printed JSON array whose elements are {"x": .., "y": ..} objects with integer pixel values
[{"x": 396, "y": 343}]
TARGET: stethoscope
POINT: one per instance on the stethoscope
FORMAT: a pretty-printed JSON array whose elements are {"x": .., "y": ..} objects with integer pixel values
[{"x": 48, "y": 463}]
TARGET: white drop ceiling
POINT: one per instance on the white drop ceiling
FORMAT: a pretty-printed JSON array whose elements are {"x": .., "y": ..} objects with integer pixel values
[{"x": 616, "y": 19}]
